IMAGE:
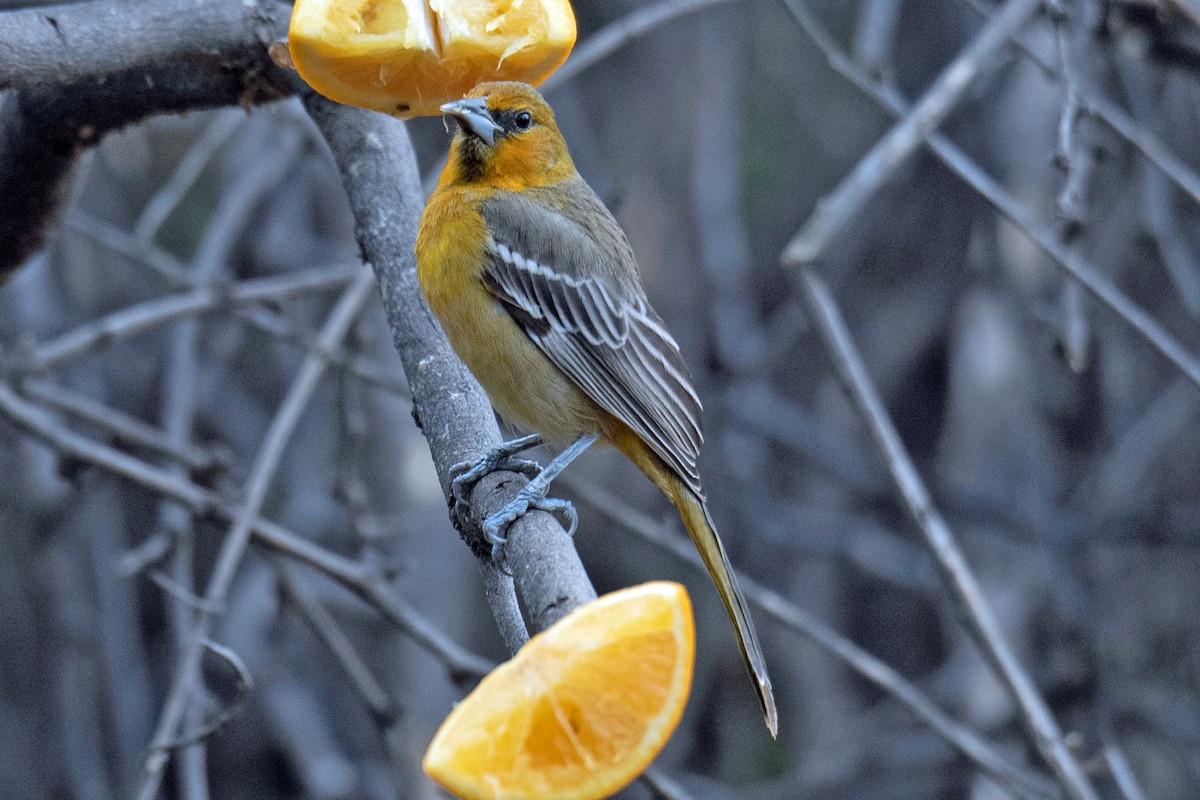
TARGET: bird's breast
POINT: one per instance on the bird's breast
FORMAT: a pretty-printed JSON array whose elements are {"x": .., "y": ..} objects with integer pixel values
[{"x": 523, "y": 384}]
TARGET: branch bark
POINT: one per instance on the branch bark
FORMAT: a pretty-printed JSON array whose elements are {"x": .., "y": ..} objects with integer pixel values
[{"x": 168, "y": 57}]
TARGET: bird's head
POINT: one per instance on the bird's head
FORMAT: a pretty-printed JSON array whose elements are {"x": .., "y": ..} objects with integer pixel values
[{"x": 506, "y": 138}]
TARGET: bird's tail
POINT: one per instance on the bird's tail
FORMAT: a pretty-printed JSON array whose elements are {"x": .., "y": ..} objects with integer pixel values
[
  {"x": 699, "y": 524},
  {"x": 704, "y": 535}
]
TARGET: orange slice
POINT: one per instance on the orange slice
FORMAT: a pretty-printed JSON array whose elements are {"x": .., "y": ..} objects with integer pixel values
[
  {"x": 581, "y": 709},
  {"x": 407, "y": 57}
]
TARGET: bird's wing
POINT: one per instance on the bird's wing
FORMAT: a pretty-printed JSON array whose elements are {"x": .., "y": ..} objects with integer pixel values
[{"x": 573, "y": 288}]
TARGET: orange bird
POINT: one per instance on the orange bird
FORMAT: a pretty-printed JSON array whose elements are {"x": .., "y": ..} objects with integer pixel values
[{"x": 538, "y": 292}]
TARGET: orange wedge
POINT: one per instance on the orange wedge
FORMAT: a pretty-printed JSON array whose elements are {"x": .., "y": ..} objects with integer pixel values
[
  {"x": 407, "y": 57},
  {"x": 581, "y": 709}
]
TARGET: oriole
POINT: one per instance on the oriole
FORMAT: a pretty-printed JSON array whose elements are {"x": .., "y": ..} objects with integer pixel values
[{"x": 536, "y": 287}]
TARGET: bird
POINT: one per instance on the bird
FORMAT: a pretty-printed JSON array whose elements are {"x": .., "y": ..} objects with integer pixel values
[{"x": 537, "y": 290}]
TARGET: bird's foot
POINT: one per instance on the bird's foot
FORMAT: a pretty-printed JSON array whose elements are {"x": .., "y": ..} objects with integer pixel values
[
  {"x": 468, "y": 473},
  {"x": 532, "y": 497}
]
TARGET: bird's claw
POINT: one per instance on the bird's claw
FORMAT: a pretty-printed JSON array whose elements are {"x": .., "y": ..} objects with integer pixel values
[
  {"x": 468, "y": 473},
  {"x": 496, "y": 525}
]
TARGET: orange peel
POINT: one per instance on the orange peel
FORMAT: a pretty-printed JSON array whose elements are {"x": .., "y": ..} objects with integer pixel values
[{"x": 581, "y": 709}]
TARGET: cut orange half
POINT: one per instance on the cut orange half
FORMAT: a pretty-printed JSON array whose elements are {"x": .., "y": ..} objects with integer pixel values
[
  {"x": 581, "y": 709},
  {"x": 407, "y": 57}
]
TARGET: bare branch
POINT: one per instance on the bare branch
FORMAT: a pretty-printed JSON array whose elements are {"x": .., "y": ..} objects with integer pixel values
[
  {"x": 874, "y": 34},
  {"x": 115, "y": 68},
  {"x": 613, "y": 37},
  {"x": 167, "y": 198},
  {"x": 1153, "y": 148},
  {"x": 961, "y": 164},
  {"x": 873, "y": 170},
  {"x": 1118, "y": 766},
  {"x": 364, "y": 582},
  {"x": 69, "y": 43},
  {"x": 123, "y": 427},
  {"x": 132, "y": 320},
  {"x": 1078, "y": 160},
  {"x": 962, "y": 588},
  {"x": 382, "y": 707},
  {"x": 234, "y": 547},
  {"x": 162, "y": 263}
]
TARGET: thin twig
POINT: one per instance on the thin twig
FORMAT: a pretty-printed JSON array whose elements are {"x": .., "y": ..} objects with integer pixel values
[
  {"x": 238, "y": 538},
  {"x": 244, "y": 685},
  {"x": 1150, "y": 145},
  {"x": 384, "y": 710},
  {"x": 1069, "y": 261},
  {"x": 368, "y": 371},
  {"x": 961, "y": 164},
  {"x": 964, "y": 591},
  {"x": 126, "y": 429},
  {"x": 177, "y": 275},
  {"x": 663, "y": 785},
  {"x": 1078, "y": 160},
  {"x": 616, "y": 35},
  {"x": 38, "y": 424},
  {"x": 1163, "y": 225},
  {"x": 374, "y": 696},
  {"x": 875, "y": 33},
  {"x": 175, "y": 525},
  {"x": 1122, "y": 773},
  {"x": 364, "y": 582},
  {"x": 166, "y": 266},
  {"x": 198, "y": 156},
  {"x": 132, "y": 320},
  {"x": 841, "y": 205}
]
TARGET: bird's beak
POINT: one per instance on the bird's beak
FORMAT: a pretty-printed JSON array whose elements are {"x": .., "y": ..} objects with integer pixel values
[{"x": 472, "y": 114}]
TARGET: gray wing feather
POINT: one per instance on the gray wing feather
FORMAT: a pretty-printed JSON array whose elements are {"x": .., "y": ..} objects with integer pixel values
[{"x": 569, "y": 290}]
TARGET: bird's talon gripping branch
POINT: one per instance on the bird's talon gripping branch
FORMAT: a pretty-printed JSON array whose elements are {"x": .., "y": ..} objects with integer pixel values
[
  {"x": 468, "y": 473},
  {"x": 533, "y": 496},
  {"x": 528, "y": 499}
]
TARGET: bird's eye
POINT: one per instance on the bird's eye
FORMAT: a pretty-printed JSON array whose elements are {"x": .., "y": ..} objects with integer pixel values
[{"x": 523, "y": 121}]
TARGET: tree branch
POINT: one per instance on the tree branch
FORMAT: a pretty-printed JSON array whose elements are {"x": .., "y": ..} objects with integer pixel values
[
  {"x": 962, "y": 588},
  {"x": 872, "y": 171},
  {"x": 238, "y": 538},
  {"x": 90, "y": 68}
]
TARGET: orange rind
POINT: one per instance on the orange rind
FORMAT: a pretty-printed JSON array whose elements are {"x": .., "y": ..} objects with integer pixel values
[{"x": 581, "y": 709}]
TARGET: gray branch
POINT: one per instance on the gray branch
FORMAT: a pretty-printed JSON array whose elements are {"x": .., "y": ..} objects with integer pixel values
[{"x": 167, "y": 57}]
